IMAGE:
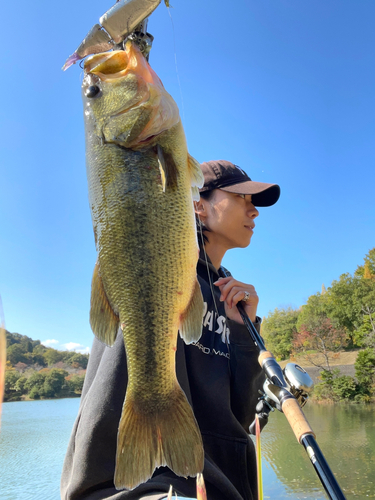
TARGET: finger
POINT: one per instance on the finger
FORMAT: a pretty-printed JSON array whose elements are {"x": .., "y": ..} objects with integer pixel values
[
  {"x": 225, "y": 285},
  {"x": 239, "y": 297},
  {"x": 238, "y": 285},
  {"x": 222, "y": 281},
  {"x": 252, "y": 302},
  {"x": 231, "y": 294},
  {"x": 225, "y": 290},
  {"x": 228, "y": 287}
]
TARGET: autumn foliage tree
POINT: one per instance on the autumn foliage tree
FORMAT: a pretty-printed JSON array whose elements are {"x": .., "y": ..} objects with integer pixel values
[{"x": 319, "y": 336}]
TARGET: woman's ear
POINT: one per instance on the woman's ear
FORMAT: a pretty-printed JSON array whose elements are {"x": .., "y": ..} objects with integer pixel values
[{"x": 200, "y": 208}]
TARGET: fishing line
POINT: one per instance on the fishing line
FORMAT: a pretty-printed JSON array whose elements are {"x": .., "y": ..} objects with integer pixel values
[
  {"x": 175, "y": 60},
  {"x": 211, "y": 287},
  {"x": 208, "y": 268}
]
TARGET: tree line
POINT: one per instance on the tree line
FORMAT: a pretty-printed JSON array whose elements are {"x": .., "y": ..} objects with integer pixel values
[
  {"x": 22, "y": 349},
  {"x": 34, "y": 371},
  {"x": 341, "y": 317}
]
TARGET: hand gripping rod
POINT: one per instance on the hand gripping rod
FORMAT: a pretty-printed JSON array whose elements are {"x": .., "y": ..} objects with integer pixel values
[{"x": 288, "y": 405}]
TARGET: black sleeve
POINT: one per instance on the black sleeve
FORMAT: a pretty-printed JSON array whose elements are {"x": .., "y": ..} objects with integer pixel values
[{"x": 246, "y": 374}]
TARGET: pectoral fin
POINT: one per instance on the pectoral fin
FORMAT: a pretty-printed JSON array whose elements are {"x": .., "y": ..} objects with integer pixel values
[
  {"x": 196, "y": 174},
  {"x": 168, "y": 168},
  {"x": 104, "y": 322},
  {"x": 191, "y": 321}
]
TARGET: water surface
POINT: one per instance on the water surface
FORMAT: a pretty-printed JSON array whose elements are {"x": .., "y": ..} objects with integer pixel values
[
  {"x": 33, "y": 440},
  {"x": 346, "y": 436},
  {"x": 35, "y": 434}
]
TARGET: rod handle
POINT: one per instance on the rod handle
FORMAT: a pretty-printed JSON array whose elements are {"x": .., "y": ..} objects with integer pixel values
[
  {"x": 296, "y": 418},
  {"x": 263, "y": 356}
]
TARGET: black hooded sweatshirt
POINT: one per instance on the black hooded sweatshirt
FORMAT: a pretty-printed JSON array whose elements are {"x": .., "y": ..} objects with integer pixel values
[{"x": 220, "y": 376}]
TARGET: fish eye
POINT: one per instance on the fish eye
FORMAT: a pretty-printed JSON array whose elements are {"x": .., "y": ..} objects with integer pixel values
[{"x": 92, "y": 91}]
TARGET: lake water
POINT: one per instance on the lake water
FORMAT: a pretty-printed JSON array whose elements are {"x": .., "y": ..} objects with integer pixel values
[{"x": 34, "y": 436}]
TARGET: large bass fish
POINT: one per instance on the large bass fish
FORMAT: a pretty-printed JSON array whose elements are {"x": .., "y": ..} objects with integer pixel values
[{"x": 141, "y": 188}]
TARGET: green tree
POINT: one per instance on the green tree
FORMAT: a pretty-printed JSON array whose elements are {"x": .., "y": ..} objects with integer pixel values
[
  {"x": 75, "y": 383},
  {"x": 39, "y": 348},
  {"x": 11, "y": 377},
  {"x": 35, "y": 343},
  {"x": 79, "y": 359},
  {"x": 278, "y": 330},
  {"x": 54, "y": 382},
  {"x": 368, "y": 266},
  {"x": 341, "y": 305},
  {"x": 344, "y": 388},
  {"x": 34, "y": 385},
  {"x": 314, "y": 310},
  {"x": 10, "y": 338},
  {"x": 10, "y": 381},
  {"x": 351, "y": 299},
  {"x": 26, "y": 344},
  {"x": 52, "y": 356},
  {"x": 20, "y": 385},
  {"x": 35, "y": 358},
  {"x": 336, "y": 387},
  {"x": 365, "y": 368},
  {"x": 324, "y": 389},
  {"x": 364, "y": 336},
  {"x": 365, "y": 298},
  {"x": 16, "y": 354},
  {"x": 35, "y": 392}
]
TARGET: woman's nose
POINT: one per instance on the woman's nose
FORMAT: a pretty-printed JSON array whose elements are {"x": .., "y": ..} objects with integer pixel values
[{"x": 253, "y": 211}]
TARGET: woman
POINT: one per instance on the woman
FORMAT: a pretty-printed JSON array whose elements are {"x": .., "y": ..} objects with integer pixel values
[{"x": 219, "y": 374}]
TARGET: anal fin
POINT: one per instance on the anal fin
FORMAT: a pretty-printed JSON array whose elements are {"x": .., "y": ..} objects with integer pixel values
[
  {"x": 191, "y": 321},
  {"x": 103, "y": 320}
]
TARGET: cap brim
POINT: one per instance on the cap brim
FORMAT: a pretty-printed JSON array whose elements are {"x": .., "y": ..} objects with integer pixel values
[{"x": 263, "y": 194}]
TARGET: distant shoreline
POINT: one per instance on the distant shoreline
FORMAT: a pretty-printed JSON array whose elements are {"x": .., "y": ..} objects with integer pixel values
[{"x": 70, "y": 396}]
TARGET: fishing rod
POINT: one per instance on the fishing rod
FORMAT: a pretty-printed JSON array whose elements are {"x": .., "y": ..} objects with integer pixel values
[{"x": 288, "y": 398}]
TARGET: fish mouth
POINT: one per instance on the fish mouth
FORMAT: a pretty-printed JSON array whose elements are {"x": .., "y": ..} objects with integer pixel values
[
  {"x": 118, "y": 63},
  {"x": 108, "y": 65},
  {"x": 129, "y": 69}
]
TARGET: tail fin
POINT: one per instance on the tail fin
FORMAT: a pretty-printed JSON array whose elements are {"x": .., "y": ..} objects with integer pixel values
[{"x": 162, "y": 436}]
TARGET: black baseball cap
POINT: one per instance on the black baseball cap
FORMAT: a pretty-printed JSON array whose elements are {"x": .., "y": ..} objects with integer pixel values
[{"x": 224, "y": 175}]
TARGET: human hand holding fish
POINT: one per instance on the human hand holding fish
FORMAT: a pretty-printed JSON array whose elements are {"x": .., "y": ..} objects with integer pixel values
[{"x": 234, "y": 291}]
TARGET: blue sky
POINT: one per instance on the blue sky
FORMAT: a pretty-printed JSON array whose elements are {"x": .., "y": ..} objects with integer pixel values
[{"x": 283, "y": 88}]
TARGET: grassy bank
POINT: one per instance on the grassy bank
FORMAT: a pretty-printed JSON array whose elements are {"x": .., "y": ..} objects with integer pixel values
[{"x": 346, "y": 377}]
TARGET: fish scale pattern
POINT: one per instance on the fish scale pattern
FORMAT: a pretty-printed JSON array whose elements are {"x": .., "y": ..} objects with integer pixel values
[{"x": 147, "y": 253}]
